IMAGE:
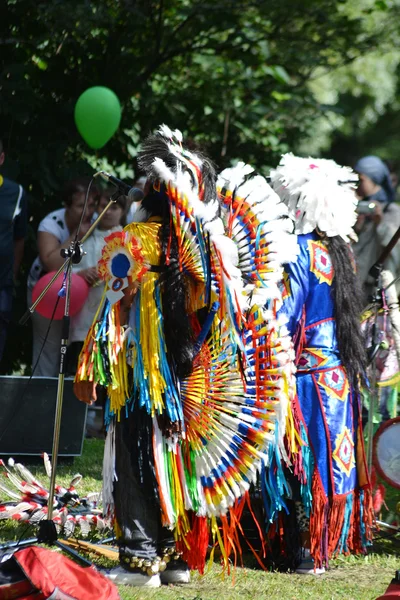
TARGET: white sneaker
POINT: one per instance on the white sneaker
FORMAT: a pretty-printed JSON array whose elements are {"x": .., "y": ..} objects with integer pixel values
[
  {"x": 306, "y": 567},
  {"x": 179, "y": 574},
  {"x": 121, "y": 576}
]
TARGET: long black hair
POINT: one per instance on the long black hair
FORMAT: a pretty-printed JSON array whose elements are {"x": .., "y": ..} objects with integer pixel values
[
  {"x": 178, "y": 330},
  {"x": 348, "y": 308}
]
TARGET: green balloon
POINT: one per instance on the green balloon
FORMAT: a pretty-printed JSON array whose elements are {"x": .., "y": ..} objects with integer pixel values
[{"x": 97, "y": 115}]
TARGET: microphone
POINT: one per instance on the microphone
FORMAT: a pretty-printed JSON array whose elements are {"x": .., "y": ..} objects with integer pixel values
[{"x": 134, "y": 194}]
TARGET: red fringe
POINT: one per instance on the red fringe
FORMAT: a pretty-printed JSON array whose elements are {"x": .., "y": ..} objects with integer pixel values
[
  {"x": 299, "y": 338},
  {"x": 195, "y": 545},
  {"x": 379, "y": 498},
  {"x": 368, "y": 513},
  {"x": 235, "y": 516},
  {"x": 327, "y": 520},
  {"x": 231, "y": 527},
  {"x": 336, "y": 521},
  {"x": 319, "y": 523}
]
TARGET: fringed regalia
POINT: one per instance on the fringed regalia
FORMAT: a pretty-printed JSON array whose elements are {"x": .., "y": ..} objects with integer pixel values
[
  {"x": 185, "y": 448},
  {"x": 333, "y": 487},
  {"x": 337, "y": 495}
]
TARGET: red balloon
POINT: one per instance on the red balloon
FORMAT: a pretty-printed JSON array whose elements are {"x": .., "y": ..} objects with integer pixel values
[{"x": 79, "y": 293}]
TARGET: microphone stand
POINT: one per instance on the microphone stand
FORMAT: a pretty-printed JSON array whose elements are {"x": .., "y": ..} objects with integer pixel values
[{"x": 73, "y": 255}]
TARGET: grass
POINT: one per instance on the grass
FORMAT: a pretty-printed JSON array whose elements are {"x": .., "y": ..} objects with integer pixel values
[{"x": 349, "y": 578}]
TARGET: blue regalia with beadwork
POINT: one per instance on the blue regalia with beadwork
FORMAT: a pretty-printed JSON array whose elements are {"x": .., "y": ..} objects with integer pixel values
[{"x": 335, "y": 491}]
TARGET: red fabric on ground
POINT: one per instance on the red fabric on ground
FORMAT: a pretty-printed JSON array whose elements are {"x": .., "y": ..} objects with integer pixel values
[
  {"x": 392, "y": 593},
  {"x": 53, "y": 573}
]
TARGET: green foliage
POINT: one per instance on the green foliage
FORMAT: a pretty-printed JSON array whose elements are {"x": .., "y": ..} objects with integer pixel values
[
  {"x": 199, "y": 66},
  {"x": 232, "y": 74}
]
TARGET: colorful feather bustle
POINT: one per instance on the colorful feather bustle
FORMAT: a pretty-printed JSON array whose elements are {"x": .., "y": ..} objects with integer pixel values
[
  {"x": 215, "y": 429},
  {"x": 257, "y": 221}
]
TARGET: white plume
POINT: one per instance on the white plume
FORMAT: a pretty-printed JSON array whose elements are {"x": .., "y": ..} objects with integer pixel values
[{"x": 318, "y": 193}]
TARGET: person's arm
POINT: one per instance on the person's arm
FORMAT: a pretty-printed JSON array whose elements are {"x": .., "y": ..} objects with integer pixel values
[
  {"x": 385, "y": 232},
  {"x": 388, "y": 224},
  {"x": 126, "y": 302},
  {"x": 49, "y": 245},
  {"x": 49, "y": 248},
  {"x": 90, "y": 275}
]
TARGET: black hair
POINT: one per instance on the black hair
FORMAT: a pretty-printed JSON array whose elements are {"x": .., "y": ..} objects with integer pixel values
[
  {"x": 157, "y": 146},
  {"x": 348, "y": 308},
  {"x": 76, "y": 186},
  {"x": 179, "y": 335}
]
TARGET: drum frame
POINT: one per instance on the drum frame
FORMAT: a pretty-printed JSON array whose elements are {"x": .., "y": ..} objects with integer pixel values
[{"x": 380, "y": 430}]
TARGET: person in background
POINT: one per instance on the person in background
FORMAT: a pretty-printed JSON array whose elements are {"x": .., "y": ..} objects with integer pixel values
[
  {"x": 376, "y": 227},
  {"x": 112, "y": 221},
  {"x": 13, "y": 229},
  {"x": 56, "y": 231},
  {"x": 393, "y": 167}
]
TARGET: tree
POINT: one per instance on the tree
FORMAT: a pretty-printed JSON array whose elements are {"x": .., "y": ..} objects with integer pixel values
[{"x": 232, "y": 74}]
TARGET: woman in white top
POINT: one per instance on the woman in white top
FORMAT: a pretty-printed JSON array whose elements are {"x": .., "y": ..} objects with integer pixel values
[
  {"x": 56, "y": 231},
  {"x": 112, "y": 221}
]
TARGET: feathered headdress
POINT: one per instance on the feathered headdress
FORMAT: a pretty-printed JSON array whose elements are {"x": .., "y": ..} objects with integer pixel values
[
  {"x": 318, "y": 193},
  {"x": 188, "y": 179}
]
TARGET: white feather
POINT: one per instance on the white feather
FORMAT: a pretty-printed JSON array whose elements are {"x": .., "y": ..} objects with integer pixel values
[{"x": 318, "y": 193}]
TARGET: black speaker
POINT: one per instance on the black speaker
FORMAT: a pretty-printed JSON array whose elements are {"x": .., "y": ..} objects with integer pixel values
[{"x": 27, "y": 413}]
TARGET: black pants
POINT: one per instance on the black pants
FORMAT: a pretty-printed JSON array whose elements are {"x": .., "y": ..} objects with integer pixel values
[
  {"x": 5, "y": 316},
  {"x": 137, "y": 505}
]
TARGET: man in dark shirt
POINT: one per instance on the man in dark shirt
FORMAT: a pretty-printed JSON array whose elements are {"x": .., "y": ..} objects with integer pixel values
[{"x": 13, "y": 227}]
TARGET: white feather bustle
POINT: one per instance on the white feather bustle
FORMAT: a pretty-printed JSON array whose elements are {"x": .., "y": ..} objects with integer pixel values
[
  {"x": 319, "y": 194},
  {"x": 276, "y": 229}
]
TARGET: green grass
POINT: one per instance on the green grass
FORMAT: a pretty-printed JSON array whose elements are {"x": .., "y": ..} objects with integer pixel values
[
  {"x": 349, "y": 578},
  {"x": 353, "y": 579}
]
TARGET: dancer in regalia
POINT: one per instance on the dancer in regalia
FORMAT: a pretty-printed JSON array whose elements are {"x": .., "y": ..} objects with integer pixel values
[
  {"x": 198, "y": 373},
  {"x": 322, "y": 302}
]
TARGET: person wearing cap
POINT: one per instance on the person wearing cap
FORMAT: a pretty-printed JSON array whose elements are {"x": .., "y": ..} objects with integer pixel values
[{"x": 376, "y": 228}]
